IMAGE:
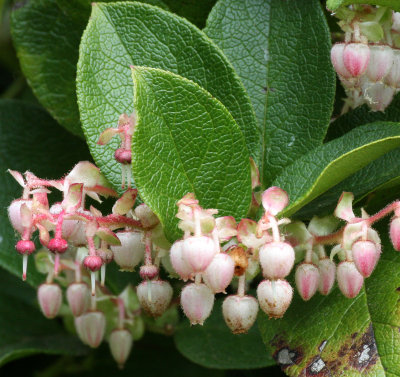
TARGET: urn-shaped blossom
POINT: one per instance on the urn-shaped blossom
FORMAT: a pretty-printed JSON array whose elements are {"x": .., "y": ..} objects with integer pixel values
[
  {"x": 365, "y": 257},
  {"x": 50, "y": 298},
  {"x": 337, "y": 60},
  {"x": 219, "y": 272},
  {"x": 91, "y": 327},
  {"x": 197, "y": 301},
  {"x": 120, "y": 345},
  {"x": 14, "y": 213},
  {"x": 131, "y": 251},
  {"x": 78, "y": 297},
  {"x": 356, "y": 58},
  {"x": 327, "y": 274},
  {"x": 198, "y": 252},
  {"x": 276, "y": 259},
  {"x": 307, "y": 280},
  {"x": 349, "y": 279},
  {"x": 178, "y": 262},
  {"x": 154, "y": 296},
  {"x": 380, "y": 62},
  {"x": 240, "y": 313},
  {"x": 274, "y": 297}
]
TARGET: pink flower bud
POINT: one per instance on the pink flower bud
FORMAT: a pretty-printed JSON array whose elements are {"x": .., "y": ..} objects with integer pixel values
[
  {"x": 395, "y": 232},
  {"x": 50, "y": 297},
  {"x": 219, "y": 273},
  {"x": 274, "y": 200},
  {"x": 274, "y": 297},
  {"x": 307, "y": 279},
  {"x": 240, "y": 313},
  {"x": 123, "y": 156},
  {"x": 337, "y": 60},
  {"x": 179, "y": 264},
  {"x": 276, "y": 259},
  {"x": 57, "y": 245},
  {"x": 93, "y": 262},
  {"x": 120, "y": 345},
  {"x": 78, "y": 298},
  {"x": 146, "y": 216},
  {"x": 350, "y": 281},
  {"x": 14, "y": 213},
  {"x": 91, "y": 327},
  {"x": 131, "y": 251},
  {"x": 380, "y": 62},
  {"x": 198, "y": 252},
  {"x": 197, "y": 301},
  {"x": 356, "y": 58},
  {"x": 365, "y": 256},
  {"x": 25, "y": 247},
  {"x": 393, "y": 77},
  {"x": 327, "y": 273},
  {"x": 154, "y": 296},
  {"x": 148, "y": 272}
]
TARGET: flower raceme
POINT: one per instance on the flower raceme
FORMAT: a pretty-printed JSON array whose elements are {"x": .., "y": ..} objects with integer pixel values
[{"x": 216, "y": 255}]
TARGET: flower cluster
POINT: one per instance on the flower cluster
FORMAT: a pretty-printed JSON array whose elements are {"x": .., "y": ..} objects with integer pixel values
[{"x": 368, "y": 61}]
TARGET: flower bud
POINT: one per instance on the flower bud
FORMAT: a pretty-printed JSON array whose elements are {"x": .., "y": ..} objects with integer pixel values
[
  {"x": 154, "y": 296},
  {"x": 14, "y": 213},
  {"x": 356, "y": 58},
  {"x": 307, "y": 280},
  {"x": 219, "y": 273},
  {"x": 240, "y": 313},
  {"x": 91, "y": 327},
  {"x": 25, "y": 247},
  {"x": 148, "y": 272},
  {"x": 274, "y": 297},
  {"x": 146, "y": 216},
  {"x": 131, "y": 251},
  {"x": 78, "y": 298},
  {"x": 393, "y": 77},
  {"x": 198, "y": 252},
  {"x": 179, "y": 264},
  {"x": 57, "y": 245},
  {"x": 380, "y": 62},
  {"x": 327, "y": 273},
  {"x": 350, "y": 281},
  {"x": 123, "y": 156},
  {"x": 50, "y": 297},
  {"x": 274, "y": 200},
  {"x": 197, "y": 301},
  {"x": 93, "y": 262},
  {"x": 395, "y": 232},
  {"x": 276, "y": 259},
  {"x": 365, "y": 256},
  {"x": 337, "y": 60},
  {"x": 120, "y": 345}
]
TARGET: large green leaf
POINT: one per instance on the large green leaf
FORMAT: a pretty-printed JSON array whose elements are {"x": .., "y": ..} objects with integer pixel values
[
  {"x": 29, "y": 140},
  {"x": 214, "y": 346},
  {"x": 335, "y": 4},
  {"x": 281, "y": 51},
  {"x": 186, "y": 141},
  {"x": 123, "y": 34},
  {"x": 327, "y": 165},
  {"x": 336, "y": 336},
  {"x": 24, "y": 330},
  {"x": 46, "y": 35}
]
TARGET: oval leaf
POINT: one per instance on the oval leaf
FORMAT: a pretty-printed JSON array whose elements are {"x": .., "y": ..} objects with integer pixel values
[
  {"x": 186, "y": 141},
  {"x": 332, "y": 162},
  {"x": 280, "y": 50},
  {"x": 123, "y": 34}
]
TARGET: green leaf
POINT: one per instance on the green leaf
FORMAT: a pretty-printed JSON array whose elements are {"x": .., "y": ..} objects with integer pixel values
[
  {"x": 335, "y": 4},
  {"x": 24, "y": 330},
  {"x": 123, "y": 34},
  {"x": 333, "y": 335},
  {"x": 380, "y": 174},
  {"x": 48, "y": 59},
  {"x": 327, "y": 165},
  {"x": 29, "y": 140},
  {"x": 193, "y": 10},
  {"x": 214, "y": 346},
  {"x": 281, "y": 50},
  {"x": 363, "y": 115},
  {"x": 186, "y": 141}
]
